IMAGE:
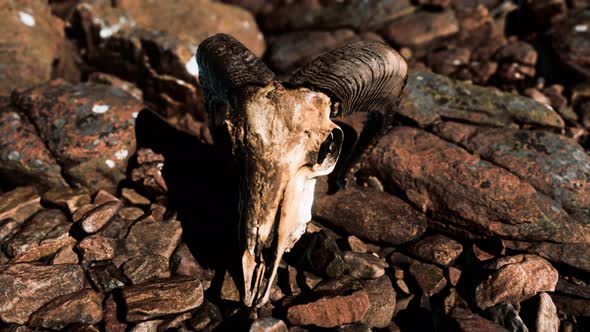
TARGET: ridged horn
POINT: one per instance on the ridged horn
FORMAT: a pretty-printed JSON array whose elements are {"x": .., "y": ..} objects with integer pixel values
[
  {"x": 365, "y": 76},
  {"x": 226, "y": 66}
]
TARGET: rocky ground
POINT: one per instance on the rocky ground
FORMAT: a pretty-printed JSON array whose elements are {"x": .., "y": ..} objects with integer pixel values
[{"x": 471, "y": 214}]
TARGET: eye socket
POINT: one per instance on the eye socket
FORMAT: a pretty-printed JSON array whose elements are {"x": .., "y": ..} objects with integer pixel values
[{"x": 330, "y": 148}]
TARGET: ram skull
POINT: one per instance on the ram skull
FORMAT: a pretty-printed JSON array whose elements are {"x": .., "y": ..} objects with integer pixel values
[{"x": 281, "y": 136}]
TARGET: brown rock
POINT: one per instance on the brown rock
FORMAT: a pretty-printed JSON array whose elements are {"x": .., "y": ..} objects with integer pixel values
[
  {"x": 31, "y": 39},
  {"x": 355, "y": 14},
  {"x": 96, "y": 248},
  {"x": 148, "y": 173},
  {"x": 506, "y": 315},
  {"x": 471, "y": 195},
  {"x": 429, "y": 277},
  {"x": 39, "y": 237},
  {"x": 437, "y": 249},
  {"x": 569, "y": 39},
  {"x": 89, "y": 128},
  {"x": 104, "y": 78},
  {"x": 134, "y": 197},
  {"x": 546, "y": 320},
  {"x": 434, "y": 3},
  {"x": 516, "y": 278},
  {"x": 480, "y": 254},
  {"x": 23, "y": 155},
  {"x": 68, "y": 199},
  {"x": 93, "y": 220},
  {"x": 466, "y": 321},
  {"x": 110, "y": 317},
  {"x": 330, "y": 311},
  {"x": 84, "y": 306},
  {"x": 163, "y": 297},
  {"x": 145, "y": 268},
  {"x": 421, "y": 29},
  {"x": 364, "y": 266},
  {"x": 150, "y": 237},
  {"x": 381, "y": 302},
  {"x": 65, "y": 255},
  {"x": 27, "y": 287},
  {"x": 268, "y": 324},
  {"x": 183, "y": 263},
  {"x": 229, "y": 290},
  {"x": 19, "y": 204},
  {"x": 356, "y": 244},
  {"x": 371, "y": 215},
  {"x": 105, "y": 276},
  {"x": 130, "y": 213},
  {"x": 453, "y": 274},
  {"x": 572, "y": 306},
  {"x": 103, "y": 196},
  {"x": 8, "y": 227}
]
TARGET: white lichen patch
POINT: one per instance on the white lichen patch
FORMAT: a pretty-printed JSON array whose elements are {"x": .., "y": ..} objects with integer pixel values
[
  {"x": 135, "y": 114},
  {"x": 191, "y": 66},
  {"x": 110, "y": 163},
  {"x": 26, "y": 19},
  {"x": 109, "y": 30},
  {"x": 581, "y": 28},
  {"x": 100, "y": 108},
  {"x": 121, "y": 154}
]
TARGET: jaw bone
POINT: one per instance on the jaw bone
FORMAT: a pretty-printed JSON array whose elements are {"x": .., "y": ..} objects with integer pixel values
[{"x": 282, "y": 137}]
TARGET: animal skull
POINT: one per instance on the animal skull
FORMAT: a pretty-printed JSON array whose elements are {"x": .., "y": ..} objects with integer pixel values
[{"x": 281, "y": 136}]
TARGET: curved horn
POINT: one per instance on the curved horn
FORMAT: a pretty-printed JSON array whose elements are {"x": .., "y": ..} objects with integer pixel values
[
  {"x": 226, "y": 66},
  {"x": 365, "y": 76}
]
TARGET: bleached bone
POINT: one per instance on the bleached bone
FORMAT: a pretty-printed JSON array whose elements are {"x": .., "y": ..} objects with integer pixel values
[{"x": 281, "y": 136}]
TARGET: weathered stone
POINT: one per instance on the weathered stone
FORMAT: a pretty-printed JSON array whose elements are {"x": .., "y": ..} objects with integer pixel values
[
  {"x": 229, "y": 290},
  {"x": 150, "y": 237},
  {"x": 323, "y": 256},
  {"x": 145, "y": 268},
  {"x": 65, "y": 255},
  {"x": 24, "y": 159},
  {"x": 105, "y": 276},
  {"x": 39, "y": 237},
  {"x": 517, "y": 61},
  {"x": 268, "y": 324},
  {"x": 466, "y": 321},
  {"x": 505, "y": 315},
  {"x": 84, "y": 306},
  {"x": 432, "y": 98},
  {"x": 381, "y": 301},
  {"x": 110, "y": 317},
  {"x": 160, "y": 298},
  {"x": 103, "y": 197},
  {"x": 546, "y": 319},
  {"x": 480, "y": 254},
  {"x": 8, "y": 227},
  {"x": 470, "y": 196},
  {"x": 364, "y": 266},
  {"x": 134, "y": 197},
  {"x": 68, "y": 199},
  {"x": 371, "y": 215},
  {"x": 555, "y": 165},
  {"x": 19, "y": 204},
  {"x": 87, "y": 127},
  {"x": 355, "y": 327},
  {"x": 206, "y": 316},
  {"x": 27, "y": 287},
  {"x": 96, "y": 248},
  {"x": 453, "y": 275},
  {"x": 183, "y": 263},
  {"x": 516, "y": 278},
  {"x": 422, "y": 29},
  {"x": 31, "y": 39},
  {"x": 572, "y": 306},
  {"x": 148, "y": 173},
  {"x": 355, "y": 14},
  {"x": 437, "y": 249},
  {"x": 95, "y": 219},
  {"x": 103, "y": 78},
  {"x": 130, "y": 213},
  {"x": 429, "y": 277},
  {"x": 356, "y": 244},
  {"x": 572, "y": 288},
  {"x": 434, "y": 3},
  {"x": 330, "y": 312},
  {"x": 569, "y": 39}
]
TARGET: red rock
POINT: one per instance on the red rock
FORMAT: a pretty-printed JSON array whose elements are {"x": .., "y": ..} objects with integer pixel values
[
  {"x": 268, "y": 324},
  {"x": 67, "y": 199},
  {"x": 161, "y": 298},
  {"x": 429, "y": 277},
  {"x": 148, "y": 173},
  {"x": 421, "y": 29},
  {"x": 96, "y": 248},
  {"x": 40, "y": 237},
  {"x": 183, "y": 263},
  {"x": 23, "y": 156},
  {"x": 65, "y": 255},
  {"x": 331, "y": 311},
  {"x": 134, "y": 197},
  {"x": 381, "y": 301},
  {"x": 110, "y": 317},
  {"x": 516, "y": 279},
  {"x": 31, "y": 39},
  {"x": 145, "y": 268},
  {"x": 27, "y": 287},
  {"x": 471, "y": 195},
  {"x": 89, "y": 128},
  {"x": 437, "y": 249},
  {"x": 19, "y": 204},
  {"x": 466, "y": 321},
  {"x": 84, "y": 306},
  {"x": 371, "y": 215},
  {"x": 96, "y": 218},
  {"x": 105, "y": 276}
]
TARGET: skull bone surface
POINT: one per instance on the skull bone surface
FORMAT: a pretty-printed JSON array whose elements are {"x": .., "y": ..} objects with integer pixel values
[{"x": 281, "y": 136}]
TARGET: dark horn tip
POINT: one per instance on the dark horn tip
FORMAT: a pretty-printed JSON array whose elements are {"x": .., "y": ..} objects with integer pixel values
[{"x": 365, "y": 76}]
